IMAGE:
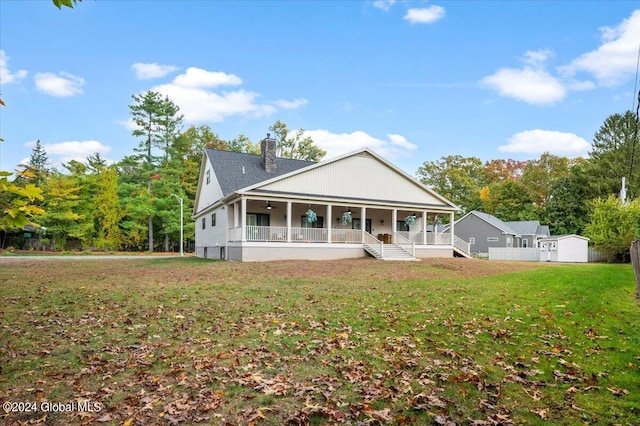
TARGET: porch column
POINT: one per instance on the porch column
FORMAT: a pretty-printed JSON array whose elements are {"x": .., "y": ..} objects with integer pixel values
[
  {"x": 424, "y": 227},
  {"x": 288, "y": 221},
  {"x": 451, "y": 227},
  {"x": 394, "y": 226},
  {"x": 235, "y": 214},
  {"x": 363, "y": 222},
  {"x": 329, "y": 222},
  {"x": 243, "y": 219}
]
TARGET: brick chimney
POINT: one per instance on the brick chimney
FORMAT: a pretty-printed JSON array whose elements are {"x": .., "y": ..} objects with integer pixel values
[{"x": 268, "y": 150}]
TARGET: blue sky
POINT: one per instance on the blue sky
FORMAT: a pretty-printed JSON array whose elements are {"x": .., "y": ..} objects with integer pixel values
[{"x": 413, "y": 80}]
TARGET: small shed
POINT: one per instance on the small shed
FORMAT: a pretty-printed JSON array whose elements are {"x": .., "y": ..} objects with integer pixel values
[{"x": 564, "y": 248}]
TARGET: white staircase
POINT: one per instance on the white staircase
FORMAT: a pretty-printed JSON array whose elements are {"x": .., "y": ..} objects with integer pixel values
[{"x": 377, "y": 249}]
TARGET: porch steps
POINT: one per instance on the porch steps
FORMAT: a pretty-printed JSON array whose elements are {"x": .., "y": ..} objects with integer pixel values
[{"x": 390, "y": 252}]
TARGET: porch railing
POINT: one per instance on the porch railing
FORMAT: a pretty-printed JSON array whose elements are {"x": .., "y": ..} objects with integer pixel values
[
  {"x": 405, "y": 243},
  {"x": 308, "y": 235},
  {"x": 346, "y": 236},
  {"x": 298, "y": 234},
  {"x": 266, "y": 233}
]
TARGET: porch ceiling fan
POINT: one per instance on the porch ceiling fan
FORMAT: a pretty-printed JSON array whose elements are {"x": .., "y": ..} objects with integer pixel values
[{"x": 268, "y": 206}]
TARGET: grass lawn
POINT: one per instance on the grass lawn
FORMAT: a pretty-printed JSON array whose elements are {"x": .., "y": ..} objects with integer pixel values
[{"x": 447, "y": 341}]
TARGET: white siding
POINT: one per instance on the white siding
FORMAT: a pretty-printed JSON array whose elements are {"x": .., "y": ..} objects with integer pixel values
[
  {"x": 361, "y": 176},
  {"x": 209, "y": 193},
  {"x": 211, "y": 237},
  {"x": 573, "y": 249}
]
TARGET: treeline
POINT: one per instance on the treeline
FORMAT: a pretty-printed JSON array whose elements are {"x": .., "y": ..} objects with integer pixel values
[
  {"x": 132, "y": 205},
  {"x": 572, "y": 196},
  {"x": 129, "y": 205}
]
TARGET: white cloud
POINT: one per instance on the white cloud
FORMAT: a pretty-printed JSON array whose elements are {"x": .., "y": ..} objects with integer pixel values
[
  {"x": 540, "y": 141},
  {"x": 61, "y": 85},
  {"x": 425, "y": 15},
  {"x": 63, "y": 152},
  {"x": 383, "y": 4},
  {"x": 197, "y": 77},
  {"x": 537, "y": 58},
  {"x": 294, "y": 104},
  {"x": 341, "y": 143},
  {"x": 6, "y": 76},
  {"x": 401, "y": 141},
  {"x": 533, "y": 86},
  {"x": 616, "y": 57},
  {"x": 191, "y": 91},
  {"x": 149, "y": 71}
]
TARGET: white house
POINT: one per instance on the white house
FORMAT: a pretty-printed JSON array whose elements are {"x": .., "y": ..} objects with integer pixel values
[
  {"x": 259, "y": 207},
  {"x": 564, "y": 248}
]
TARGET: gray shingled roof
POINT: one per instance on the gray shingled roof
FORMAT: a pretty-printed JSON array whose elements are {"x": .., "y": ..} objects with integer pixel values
[
  {"x": 543, "y": 230},
  {"x": 495, "y": 222},
  {"x": 524, "y": 227},
  {"x": 237, "y": 170}
]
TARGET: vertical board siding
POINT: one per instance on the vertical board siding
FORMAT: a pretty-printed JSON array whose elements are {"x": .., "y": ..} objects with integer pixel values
[{"x": 362, "y": 175}]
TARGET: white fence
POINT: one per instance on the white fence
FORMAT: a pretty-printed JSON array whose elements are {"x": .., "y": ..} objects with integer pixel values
[{"x": 512, "y": 253}]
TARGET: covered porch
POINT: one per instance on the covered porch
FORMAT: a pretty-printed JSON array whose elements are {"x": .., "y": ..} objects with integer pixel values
[{"x": 327, "y": 229}]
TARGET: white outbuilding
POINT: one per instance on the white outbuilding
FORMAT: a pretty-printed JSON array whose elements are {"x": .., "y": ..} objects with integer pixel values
[{"x": 564, "y": 248}]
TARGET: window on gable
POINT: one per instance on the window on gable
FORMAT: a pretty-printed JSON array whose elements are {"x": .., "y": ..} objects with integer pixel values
[
  {"x": 213, "y": 219},
  {"x": 492, "y": 239},
  {"x": 204, "y": 222},
  {"x": 208, "y": 176}
]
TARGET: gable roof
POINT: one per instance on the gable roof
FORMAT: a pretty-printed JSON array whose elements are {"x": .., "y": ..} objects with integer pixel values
[
  {"x": 362, "y": 165},
  {"x": 524, "y": 227},
  {"x": 237, "y": 170},
  {"x": 492, "y": 220}
]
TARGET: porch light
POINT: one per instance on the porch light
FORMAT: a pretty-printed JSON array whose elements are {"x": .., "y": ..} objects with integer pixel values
[{"x": 268, "y": 205}]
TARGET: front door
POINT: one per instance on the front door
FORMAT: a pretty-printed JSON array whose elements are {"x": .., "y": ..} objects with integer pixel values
[{"x": 357, "y": 224}]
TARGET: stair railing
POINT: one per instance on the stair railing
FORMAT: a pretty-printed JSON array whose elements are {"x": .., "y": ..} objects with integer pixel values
[
  {"x": 405, "y": 243},
  {"x": 373, "y": 241}
]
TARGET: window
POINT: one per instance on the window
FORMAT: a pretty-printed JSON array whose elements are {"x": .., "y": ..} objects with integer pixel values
[
  {"x": 401, "y": 226},
  {"x": 525, "y": 243},
  {"x": 213, "y": 219},
  {"x": 319, "y": 223},
  {"x": 472, "y": 240},
  {"x": 204, "y": 223},
  {"x": 492, "y": 239},
  {"x": 208, "y": 176}
]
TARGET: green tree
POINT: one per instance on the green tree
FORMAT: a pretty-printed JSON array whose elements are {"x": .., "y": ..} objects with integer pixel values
[
  {"x": 243, "y": 144},
  {"x": 108, "y": 212},
  {"x": 38, "y": 163},
  {"x": 612, "y": 155},
  {"x": 512, "y": 201},
  {"x": 61, "y": 202},
  {"x": 457, "y": 178},
  {"x": 295, "y": 146},
  {"x": 17, "y": 204},
  {"x": 158, "y": 124},
  {"x": 613, "y": 225},
  {"x": 567, "y": 211},
  {"x": 67, "y": 3},
  {"x": 539, "y": 176}
]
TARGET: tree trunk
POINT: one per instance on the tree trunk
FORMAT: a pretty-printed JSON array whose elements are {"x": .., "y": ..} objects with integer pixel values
[
  {"x": 151, "y": 234},
  {"x": 166, "y": 242},
  {"x": 150, "y": 220},
  {"x": 635, "y": 261}
]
